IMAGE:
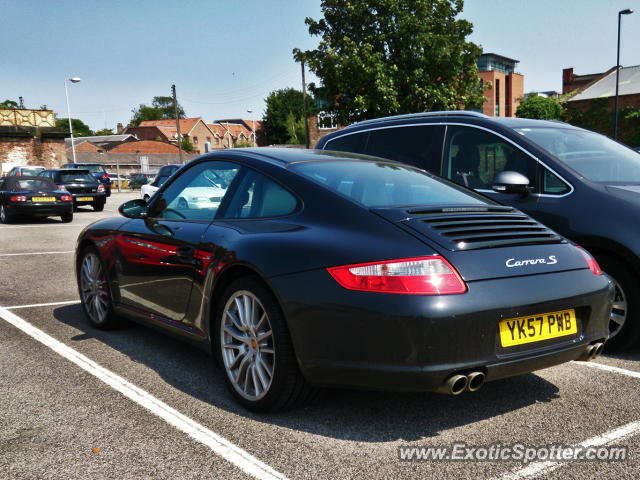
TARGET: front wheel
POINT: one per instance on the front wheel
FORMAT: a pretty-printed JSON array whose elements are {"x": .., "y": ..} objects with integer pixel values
[
  {"x": 254, "y": 349},
  {"x": 624, "y": 322},
  {"x": 95, "y": 295}
]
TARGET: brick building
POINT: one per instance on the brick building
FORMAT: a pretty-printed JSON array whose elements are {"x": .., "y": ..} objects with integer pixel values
[
  {"x": 195, "y": 129},
  {"x": 603, "y": 86},
  {"x": 30, "y": 137},
  {"x": 507, "y": 90}
]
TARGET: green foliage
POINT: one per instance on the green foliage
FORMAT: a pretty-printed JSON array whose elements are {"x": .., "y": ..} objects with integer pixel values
[
  {"x": 243, "y": 144},
  {"x": 295, "y": 130},
  {"x": 161, "y": 109},
  {"x": 386, "y": 57},
  {"x": 9, "y": 104},
  {"x": 281, "y": 105},
  {"x": 80, "y": 129},
  {"x": 542, "y": 108},
  {"x": 104, "y": 131},
  {"x": 187, "y": 146}
]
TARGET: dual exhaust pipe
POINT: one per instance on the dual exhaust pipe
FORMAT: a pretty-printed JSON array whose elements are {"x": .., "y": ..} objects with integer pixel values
[
  {"x": 592, "y": 351},
  {"x": 456, "y": 384}
]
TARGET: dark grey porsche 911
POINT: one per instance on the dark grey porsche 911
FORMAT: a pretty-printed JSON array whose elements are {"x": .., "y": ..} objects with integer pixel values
[{"x": 300, "y": 269}]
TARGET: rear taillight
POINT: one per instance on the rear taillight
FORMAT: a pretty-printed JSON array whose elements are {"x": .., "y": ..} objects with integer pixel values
[
  {"x": 419, "y": 276},
  {"x": 18, "y": 173},
  {"x": 66, "y": 198},
  {"x": 18, "y": 198},
  {"x": 105, "y": 176},
  {"x": 61, "y": 187},
  {"x": 100, "y": 188},
  {"x": 593, "y": 265}
]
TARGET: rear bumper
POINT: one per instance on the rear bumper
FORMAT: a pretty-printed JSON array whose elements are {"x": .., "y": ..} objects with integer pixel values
[
  {"x": 414, "y": 343},
  {"x": 39, "y": 210},
  {"x": 95, "y": 198}
]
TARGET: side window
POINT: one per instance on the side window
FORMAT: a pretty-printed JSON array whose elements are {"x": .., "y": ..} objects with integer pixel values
[
  {"x": 419, "y": 146},
  {"x": 257, "y": 196},
  {"x": 197, "y": 193},
  {"x": 353, "y": 143},
  {"x": 552, "y": 185},
  {"x": 473, "y": 157}
]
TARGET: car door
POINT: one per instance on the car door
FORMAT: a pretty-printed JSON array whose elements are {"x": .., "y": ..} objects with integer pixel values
[
  {"x": 160, "y": 255},
  {"x": 474, "y": 155}
]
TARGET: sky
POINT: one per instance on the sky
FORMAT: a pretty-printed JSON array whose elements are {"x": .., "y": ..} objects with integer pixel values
[{"x": 225, "y": 57}]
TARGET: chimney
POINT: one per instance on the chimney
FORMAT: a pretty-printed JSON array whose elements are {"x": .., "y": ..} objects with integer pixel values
[
  {"x": 120, "y": 129},
  {"x": 567, "y": 80}
]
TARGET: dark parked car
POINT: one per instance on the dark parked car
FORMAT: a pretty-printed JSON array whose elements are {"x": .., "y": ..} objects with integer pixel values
[
  {"x": 82, "y": 186},
  {"x": 97, "y": 170},
  {"x": 139, "y": 179},
  {"x": 32, "y": 196},
  {"x": 168, "y": 170},
  {"x": 28, "y": 171},
  {"x": 313, "y": 269},
  {"x": 579, "y": 183}
]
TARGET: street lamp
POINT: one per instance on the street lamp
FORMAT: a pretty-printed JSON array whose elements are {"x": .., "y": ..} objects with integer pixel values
[
  {"x": 253, "y": 119},
  {"x": 66, "y": 91},
  {"x": 620, "y": 13}
]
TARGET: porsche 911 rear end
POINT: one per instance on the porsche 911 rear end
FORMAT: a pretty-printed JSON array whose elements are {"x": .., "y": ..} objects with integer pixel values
[{"x": 490, "y": 294}]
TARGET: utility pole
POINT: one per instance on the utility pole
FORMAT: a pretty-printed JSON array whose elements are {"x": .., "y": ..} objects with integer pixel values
[
  {"x": 304, "y": 103},
  {"x": 175, "y": 108}
]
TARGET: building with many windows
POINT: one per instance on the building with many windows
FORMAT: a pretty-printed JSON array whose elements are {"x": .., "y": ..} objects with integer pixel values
[{"x": 507, "y": 86}]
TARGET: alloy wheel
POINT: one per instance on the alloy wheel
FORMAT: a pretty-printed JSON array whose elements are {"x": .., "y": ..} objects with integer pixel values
[
  {"x": 246, "y": 341},
  {"x": 94, "y": 290},
  {"x": 618, "y": 312}
]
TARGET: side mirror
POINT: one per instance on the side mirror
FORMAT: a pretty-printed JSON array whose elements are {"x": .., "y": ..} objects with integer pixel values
[
  {"x": 134, "y": 208},
  {"x": 509, "y": 181}
]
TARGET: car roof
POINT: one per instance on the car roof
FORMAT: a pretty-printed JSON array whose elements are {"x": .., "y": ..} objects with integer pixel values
[
  {"x": 66, "y": 170},
  {"x": 471, "y": 116},
  {"x": 286, "y": 156}
]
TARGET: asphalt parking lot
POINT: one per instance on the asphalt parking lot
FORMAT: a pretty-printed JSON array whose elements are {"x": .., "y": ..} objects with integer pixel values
[{"x": 131, "y": 403}]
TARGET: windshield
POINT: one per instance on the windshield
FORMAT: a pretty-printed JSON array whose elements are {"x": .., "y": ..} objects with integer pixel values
[
  {"x": 93, "y": 168},
  {"x": 594, "y": 156},
  {"x": 31, "y": 184},
  {"x": 382, "y": 184},
  {"x": 76, "y": 177}
]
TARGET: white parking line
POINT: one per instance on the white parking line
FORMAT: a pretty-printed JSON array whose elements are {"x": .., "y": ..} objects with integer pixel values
[
  {"x": 33, "y": 253},
  {"x": 608, "y": 368},
  {"x": 34, "y": 305},
  {"x": 215, "y": 442},
  {"x": 67, "y": 225},
  {"x": 538, "y": 469}
]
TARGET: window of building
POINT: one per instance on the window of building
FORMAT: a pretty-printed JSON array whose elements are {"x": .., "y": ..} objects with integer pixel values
[
  {"x": 195, "y": 140},
  {"x": 326, "y": 121}
]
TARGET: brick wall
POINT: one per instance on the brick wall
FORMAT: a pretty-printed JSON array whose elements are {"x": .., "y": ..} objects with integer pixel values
[{"x": 30, "y": 146}]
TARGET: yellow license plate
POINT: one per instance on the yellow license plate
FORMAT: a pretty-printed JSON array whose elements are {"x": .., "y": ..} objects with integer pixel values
[
  {"x": 534, "y": 328},
  {"x": 43, "y": 199},
  {"x": 84, "y": 199}
]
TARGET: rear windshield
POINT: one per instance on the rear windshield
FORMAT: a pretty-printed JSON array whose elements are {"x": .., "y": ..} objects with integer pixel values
[
  {"x": 93, "y": 168},
  {"x": 75, "y": 177},
  {"x": 382, "y": 184},
  {"x": 30, "y": 184},
  {"x": 31, "y": 171}
]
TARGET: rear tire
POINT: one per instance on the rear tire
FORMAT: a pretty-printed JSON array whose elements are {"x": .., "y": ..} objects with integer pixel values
[
  {"x": 95, "y": 294},
  {"x": 5, "y": 217},
  {"x": 98, "y": 207},
  {"x": 254, "y": 349},
  {"x": 67, "y": 217},
  {"x": 624, "y": 324}
]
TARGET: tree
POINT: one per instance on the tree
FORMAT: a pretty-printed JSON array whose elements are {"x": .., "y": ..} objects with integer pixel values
[
  {"x": 80, "y": 129},
  {"x": 543, "y": 108},
  {"x": 187, "y": 146},
  {"x": 161, "y": 109},
  {"x": 386, "y": 57},
  {"x": 104, "y": 131},
  {"x": 9, "y": 104},
  {"x": 281, "y": 104}
]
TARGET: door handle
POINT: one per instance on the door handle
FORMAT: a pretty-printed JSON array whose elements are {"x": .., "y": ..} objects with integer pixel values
[{"x": 185, "y": 252}]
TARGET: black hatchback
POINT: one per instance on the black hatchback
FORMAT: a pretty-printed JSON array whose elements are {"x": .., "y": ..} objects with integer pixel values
[
  {"x": 579, "y": 183},
  {"x": 82, "y": 186},
  {"x": 97, "y": 170}
]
